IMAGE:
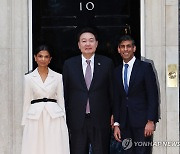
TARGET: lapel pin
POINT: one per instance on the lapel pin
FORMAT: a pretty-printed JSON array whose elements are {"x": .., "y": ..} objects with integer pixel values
[{"x": 99, "y": 64}]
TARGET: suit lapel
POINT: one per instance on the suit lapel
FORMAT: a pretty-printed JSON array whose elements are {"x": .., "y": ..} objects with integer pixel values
[
  {"x": 135, "y": 69},
  {"x": 97, "y": 64},
  {"x": 50, "y": 78},
  {"x": 119, "y": 77},
  {"x": 37, "y": 79},
  {"x": 79, "y": 70}
]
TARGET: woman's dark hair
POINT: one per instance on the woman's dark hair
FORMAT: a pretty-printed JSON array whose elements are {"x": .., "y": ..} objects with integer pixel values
[
  {"x": 126, "y": 38},
  {"x": 87, "y": 30},
  {"x": 43, "y": 47}
]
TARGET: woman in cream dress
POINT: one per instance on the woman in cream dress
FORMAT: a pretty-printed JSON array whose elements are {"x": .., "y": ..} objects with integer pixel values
[{"x": 44, "y": 119}]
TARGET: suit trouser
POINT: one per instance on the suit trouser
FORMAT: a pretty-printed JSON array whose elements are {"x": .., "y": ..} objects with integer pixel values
[
  {"x": 134, "y": 135},
  {"x": 80, "y": 139}
]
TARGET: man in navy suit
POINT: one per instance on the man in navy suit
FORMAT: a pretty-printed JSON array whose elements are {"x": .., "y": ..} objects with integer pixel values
[
  {"x": 88, "y": 103},
  {"x": 136, "y": 100}
]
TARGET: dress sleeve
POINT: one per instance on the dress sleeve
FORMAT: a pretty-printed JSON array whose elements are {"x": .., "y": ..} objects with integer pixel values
[
  {"x": 60, "y": 93},
  {"x": 152, "y": 94},
  {"x": 27, "y": 98}
]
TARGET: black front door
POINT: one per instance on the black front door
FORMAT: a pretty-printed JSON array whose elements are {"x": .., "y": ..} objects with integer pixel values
[{"x": 56, "y": 22}]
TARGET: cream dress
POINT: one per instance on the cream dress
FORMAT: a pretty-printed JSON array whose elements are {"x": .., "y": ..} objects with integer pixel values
[{"x": 45, "y": 129}]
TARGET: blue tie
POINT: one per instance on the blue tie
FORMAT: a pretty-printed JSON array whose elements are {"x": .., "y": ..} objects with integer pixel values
[{"x": 125, "y": 78}]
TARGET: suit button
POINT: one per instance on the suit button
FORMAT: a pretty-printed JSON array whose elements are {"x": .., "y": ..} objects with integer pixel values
[{"x": 127, "y": 98}]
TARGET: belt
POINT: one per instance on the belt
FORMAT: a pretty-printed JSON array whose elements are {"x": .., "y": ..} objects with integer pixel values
[{"x": 43, "y": 100}]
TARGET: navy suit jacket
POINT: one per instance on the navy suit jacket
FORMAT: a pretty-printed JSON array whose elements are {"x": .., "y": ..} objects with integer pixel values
[
  {"x": 100, "y": 93},
  {"x": 141, "y": 102}
]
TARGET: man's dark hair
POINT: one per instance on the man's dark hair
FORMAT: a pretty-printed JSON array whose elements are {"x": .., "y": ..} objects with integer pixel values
[
  {"x": 89, "y": 30},
  {"x": 126, "y": 38}
]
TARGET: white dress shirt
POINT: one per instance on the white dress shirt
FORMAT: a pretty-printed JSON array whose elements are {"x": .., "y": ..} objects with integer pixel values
[
  {"x": 130, "y": 63},
  {"x": 84, "y": 64}
]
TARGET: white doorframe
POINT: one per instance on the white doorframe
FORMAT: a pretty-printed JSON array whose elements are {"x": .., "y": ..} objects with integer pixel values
[
  {"x": 30, "y": 54},
  {"x": 142, "y": 20}
]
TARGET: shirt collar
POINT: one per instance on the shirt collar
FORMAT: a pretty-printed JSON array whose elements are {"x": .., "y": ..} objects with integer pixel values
[
  {"x": 84, "y": 59},
  {"x": 131, "y": 62},
  {"x": 36, "y": 73}
]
